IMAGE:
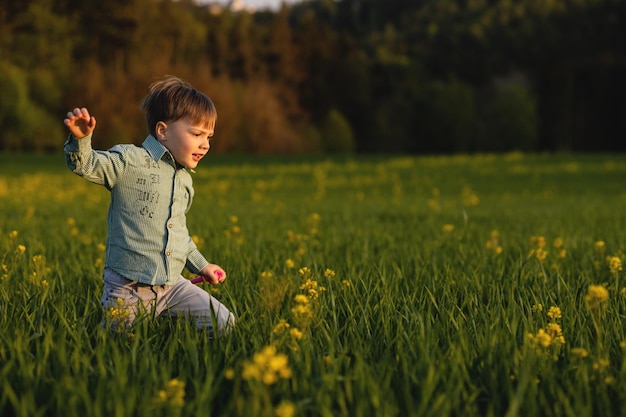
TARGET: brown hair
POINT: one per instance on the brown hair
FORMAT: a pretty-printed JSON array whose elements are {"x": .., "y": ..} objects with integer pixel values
[{"x": 171, "y": 99}]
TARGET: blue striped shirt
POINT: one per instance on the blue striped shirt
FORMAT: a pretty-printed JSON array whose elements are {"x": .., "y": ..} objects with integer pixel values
[{"x": 147, "y": 240}]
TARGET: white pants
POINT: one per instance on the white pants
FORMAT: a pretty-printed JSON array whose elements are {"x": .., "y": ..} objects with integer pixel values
[{"x": 124, "y": 301}]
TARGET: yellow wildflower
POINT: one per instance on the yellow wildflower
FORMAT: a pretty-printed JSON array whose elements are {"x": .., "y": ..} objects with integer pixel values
[
  {"x": 448, "y": 228},
  {"x": 173, "y": 395},
  {"x": 301, "y": 299},
  {"x": 615, "y": 264},
  {"x": 312, "y": 288},
  {"x": 541, "y": 254},
  {"x": 601, "y": 364},
  {"x": 296, "y": 334},
  {"x": 493, "y": 243},
  {"x": 538, "y": 241},
  {"x": 21, "y": 249},
  {"x": 554, "y": 313},
  {"x": 285, "y": 409},
  {"x": 267, "y": 366},
  {"x": 281, "y": 327},
  {"x": 600, "y": 246},
  {"x": 329, "y": 273},
  {"x": 596, "y": 295},
  {"x": 579, "y": 352},
  {"x": 266, "y": 274},
  {"x": 289, "y": 263},
  {"x": 542, "y": 338},
  {"x": 13, "y": 234}
]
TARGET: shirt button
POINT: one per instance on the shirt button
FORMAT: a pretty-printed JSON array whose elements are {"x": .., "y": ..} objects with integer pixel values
[
  {"x": 167, "y": 253},
  {"x": 170, "y": 225}
]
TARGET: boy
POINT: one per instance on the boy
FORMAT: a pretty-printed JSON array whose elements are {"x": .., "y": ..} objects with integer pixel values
[{"x": 148, "y": 244}]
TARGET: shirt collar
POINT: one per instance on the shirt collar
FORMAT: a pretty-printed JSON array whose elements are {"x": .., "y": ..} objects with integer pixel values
[{"x": 157, "y": 150}]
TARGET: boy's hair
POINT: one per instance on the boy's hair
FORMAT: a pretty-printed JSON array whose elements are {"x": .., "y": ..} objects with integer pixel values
[{"x": 171, "y": 99}]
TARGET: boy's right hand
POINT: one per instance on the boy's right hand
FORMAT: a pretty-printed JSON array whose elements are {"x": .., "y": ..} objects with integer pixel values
[{"x": 80, "y": 123}]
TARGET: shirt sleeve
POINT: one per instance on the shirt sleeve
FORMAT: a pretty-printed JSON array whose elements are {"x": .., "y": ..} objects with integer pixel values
[
  {"x": 99, "y": 167},
  {"x": 195, "y": 260}
]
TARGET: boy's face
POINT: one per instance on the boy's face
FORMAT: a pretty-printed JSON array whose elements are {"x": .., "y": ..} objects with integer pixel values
[{"x": 188, "y": 142}]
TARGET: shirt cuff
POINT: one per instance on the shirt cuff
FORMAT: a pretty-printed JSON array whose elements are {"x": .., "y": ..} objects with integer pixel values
[{"x": 196, "y": 262}]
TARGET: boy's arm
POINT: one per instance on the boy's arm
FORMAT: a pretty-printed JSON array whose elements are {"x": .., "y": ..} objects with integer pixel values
[
  {"x": 96, "y": 166},
  {"x": 197, "y": 264}
]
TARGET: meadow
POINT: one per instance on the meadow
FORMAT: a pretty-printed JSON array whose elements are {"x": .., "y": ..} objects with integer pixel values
[{"x": 487, "y": 285}]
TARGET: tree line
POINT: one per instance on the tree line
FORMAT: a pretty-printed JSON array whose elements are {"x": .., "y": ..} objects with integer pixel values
[{"x": 401, "y": 76}]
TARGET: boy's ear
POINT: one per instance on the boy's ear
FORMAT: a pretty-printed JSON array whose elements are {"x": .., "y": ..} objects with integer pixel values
[{"x": 161, "y": 130}]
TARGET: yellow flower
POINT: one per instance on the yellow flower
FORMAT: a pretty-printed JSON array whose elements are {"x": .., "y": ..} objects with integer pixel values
[
  {"x": 312, "y": 288},
  {"x": 281, "y": 327},
  {"x": 554, "y": 313},
  {"x": 21, "y": 249},
  {"x": 289, "y": 263},
  {"x": 580, "y": 352},
  {"x": 346, "y": 284},
  {"x": 267, "y": 366},
  {"x": 229, "y": 374},
  {"x": 266, "y": 274},
  {"x": 493, "y": 243},
  {"x": 554, "y": 330},
  {"x": 13, "y": 234},
  {"x": 601, "y": 364},
  {"x": 304, "y": 271},
  {"x": 285, "y": 409},
  {"x": 301, "y": 299},
  {"x": 541, "y": 254},
  {"x": 596, "y": 295},
  {"x": 615, "y": 264},
  {"x": 329, "y": 273},
  {"x": 296, "y": 334},
  {"x": 537, "y": 307},
  {"x": 447, "y": 228},
  {"x": 538, "y": 241},
  {"x": 600, "y": 246},
  {"x": 558, "y": 243},
  {"x": 173, "y": 395}
]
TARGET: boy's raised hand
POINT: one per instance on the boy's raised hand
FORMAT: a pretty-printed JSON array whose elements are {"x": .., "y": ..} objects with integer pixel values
[{"x": 80, "y": 123}]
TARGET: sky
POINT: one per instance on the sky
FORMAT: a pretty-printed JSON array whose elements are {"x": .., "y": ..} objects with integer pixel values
[{"x": 262, "y": 4}]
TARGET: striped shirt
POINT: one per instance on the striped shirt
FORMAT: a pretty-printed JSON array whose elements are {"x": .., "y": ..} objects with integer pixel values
[{"x": 147, "y": 240}]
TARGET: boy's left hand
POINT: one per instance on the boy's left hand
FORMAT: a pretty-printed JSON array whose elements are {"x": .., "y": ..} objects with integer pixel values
[{"x": 213, "y": 274}]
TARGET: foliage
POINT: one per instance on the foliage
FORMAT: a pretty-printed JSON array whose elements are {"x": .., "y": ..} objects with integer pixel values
[
  {"x": 378, "y": 286},
  {"x": 375, "y": 62}
]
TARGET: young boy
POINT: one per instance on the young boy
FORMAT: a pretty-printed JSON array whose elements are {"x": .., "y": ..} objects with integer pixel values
[{"x": 148, "y": 244}]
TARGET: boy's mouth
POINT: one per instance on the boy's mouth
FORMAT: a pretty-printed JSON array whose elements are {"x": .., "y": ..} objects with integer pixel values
[{"x": 197, "y": 156}]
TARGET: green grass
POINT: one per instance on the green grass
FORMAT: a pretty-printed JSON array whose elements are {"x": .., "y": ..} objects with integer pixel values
[{"x": 418, "y": 316}]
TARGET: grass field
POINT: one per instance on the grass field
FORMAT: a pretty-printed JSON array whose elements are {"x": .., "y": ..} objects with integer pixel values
[{"x": 381, "y": 286}]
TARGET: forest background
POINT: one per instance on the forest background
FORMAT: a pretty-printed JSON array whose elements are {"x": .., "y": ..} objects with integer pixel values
[{"x": 324, "y": 76}]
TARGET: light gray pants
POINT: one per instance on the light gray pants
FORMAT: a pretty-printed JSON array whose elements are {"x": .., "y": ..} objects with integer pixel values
[{"x": 124, "y": 301}]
